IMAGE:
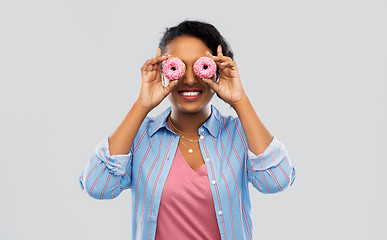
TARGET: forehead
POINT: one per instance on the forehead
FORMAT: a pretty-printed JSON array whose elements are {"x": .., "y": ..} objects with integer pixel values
[{"x": 187, "y": 48}]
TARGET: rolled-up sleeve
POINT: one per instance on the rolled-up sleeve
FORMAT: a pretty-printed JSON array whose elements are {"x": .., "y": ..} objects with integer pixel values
[
  {"x": 105, "y": 176},
  {"x": 272, "y": 171}
]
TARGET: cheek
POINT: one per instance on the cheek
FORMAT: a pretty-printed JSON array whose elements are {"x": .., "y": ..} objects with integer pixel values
[{"x": 170, "y": 97}]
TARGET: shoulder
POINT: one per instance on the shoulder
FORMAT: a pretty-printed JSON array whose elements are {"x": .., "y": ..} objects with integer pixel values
[
  {"x": 231, "y": 132},
  {"x": 230, "y": 123}
]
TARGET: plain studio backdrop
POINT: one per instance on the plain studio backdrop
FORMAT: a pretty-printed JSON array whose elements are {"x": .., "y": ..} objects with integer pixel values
[{"x": 315, "y": 72}]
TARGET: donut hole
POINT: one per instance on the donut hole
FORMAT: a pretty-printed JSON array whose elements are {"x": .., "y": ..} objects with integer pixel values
[
  {"x": 205, "y": 66},
  {"x": 173, "y": 68}
]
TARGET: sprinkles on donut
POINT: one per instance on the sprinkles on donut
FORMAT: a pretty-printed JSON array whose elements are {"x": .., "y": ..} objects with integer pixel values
[
  {"x": 204, "y": 67},
  {"x": 173, "y": 68}
]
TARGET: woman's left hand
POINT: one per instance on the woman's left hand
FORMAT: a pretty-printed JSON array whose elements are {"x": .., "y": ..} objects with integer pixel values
[{"x": 229, "y": 87}]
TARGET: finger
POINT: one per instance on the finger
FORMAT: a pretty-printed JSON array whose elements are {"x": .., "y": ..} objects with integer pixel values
[
  {"x": 208, "y": 54},
  {"x": 221, "y": 58},
  {"x": 211, "y": 83},
  {"x": 159, "y": 59},
  {"x": 146, "y": 65},
  {"x": 218, "y": 59},
  {"x": 230, "y": 64},
  {"x": 158, "y": 52},
  {"x": 149, "y": 66},
  {"x": 219, "y": 50},
  {"x": 172, "y": 84}
]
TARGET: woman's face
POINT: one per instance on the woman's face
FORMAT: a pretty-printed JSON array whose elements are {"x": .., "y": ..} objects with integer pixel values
[{"x": 189, "y": 49}]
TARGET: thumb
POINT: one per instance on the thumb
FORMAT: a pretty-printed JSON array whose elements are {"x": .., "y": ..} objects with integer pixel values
[
  {"x": 172, "y": 84},
  {"x": 212, "y": 84}
]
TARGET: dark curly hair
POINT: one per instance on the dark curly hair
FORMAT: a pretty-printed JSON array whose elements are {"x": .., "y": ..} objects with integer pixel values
[{"x": 202, "y": 30}]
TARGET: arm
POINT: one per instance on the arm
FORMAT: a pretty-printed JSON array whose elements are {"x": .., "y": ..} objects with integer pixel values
[
  {"x": 109, "y": 169},
  {"x": 258, "y": 137},
  {"x": 271, "y": 171},
  {"x": 269, "y": 167},
  {"x": 121, "y": 140}
]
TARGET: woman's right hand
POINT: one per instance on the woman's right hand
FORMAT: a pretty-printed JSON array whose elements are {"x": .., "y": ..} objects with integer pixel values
[{"x": 152, "y": 91}]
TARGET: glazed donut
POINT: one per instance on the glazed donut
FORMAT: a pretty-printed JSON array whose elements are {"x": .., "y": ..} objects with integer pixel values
[
  {"x": 173, "y": 68},
  {"x": 204, "y": 67}
]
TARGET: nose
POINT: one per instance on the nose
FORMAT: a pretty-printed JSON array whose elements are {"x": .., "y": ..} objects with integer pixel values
[{"x": 189, "y": 76}]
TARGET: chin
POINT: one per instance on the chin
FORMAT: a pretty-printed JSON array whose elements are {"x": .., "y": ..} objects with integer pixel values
[{"x": 189, "y": 107}]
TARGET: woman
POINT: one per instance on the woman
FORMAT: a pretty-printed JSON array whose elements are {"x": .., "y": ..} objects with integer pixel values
[{"x": 189, "y": 167}]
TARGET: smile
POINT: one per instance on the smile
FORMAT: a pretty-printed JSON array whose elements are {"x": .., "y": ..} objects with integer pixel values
[{"x": 190, "y": 93}]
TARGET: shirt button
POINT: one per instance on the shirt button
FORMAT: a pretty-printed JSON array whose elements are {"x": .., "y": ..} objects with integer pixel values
[
  {"x": 207, "y": 159},
  {"x": 213, "y": 181},
  {"x": 220, "y": 212},
  {"x": 202, "y": 130},
  {"x": 201, "y": 137}
]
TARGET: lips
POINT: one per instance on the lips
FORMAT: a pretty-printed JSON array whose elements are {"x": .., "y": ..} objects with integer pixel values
[
  {"x": 191, "y": 94},
  {"x": 190, "y": 90}
]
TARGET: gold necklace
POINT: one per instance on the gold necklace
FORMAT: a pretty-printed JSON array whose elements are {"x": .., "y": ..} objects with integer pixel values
[
  {"x": 190, "y": 150},
  {"x": 190, "y": 139},
  {"x": 169, "y": 118}
]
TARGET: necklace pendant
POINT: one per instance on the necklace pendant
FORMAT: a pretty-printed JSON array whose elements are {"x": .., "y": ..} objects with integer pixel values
[{"x": 190, "y": 150}]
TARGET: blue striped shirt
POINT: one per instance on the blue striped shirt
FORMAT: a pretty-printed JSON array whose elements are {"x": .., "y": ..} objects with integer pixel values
[{"x": 227, "y": 157}]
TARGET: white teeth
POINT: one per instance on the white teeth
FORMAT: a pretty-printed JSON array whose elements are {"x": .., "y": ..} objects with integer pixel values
[{"x": 189, "y": 93}]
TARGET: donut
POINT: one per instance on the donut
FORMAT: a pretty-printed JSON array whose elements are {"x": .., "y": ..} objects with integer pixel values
[
  {"x": 204, "y": 67},
  {"x": 173, "y": 68}
]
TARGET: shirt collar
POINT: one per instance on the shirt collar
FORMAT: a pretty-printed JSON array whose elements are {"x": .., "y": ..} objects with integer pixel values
[{"x": 212, "y": 124}]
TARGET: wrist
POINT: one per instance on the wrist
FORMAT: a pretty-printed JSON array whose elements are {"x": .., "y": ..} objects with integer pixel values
[
  {"x": 141, "y": 108},
  {"x": 241, "y": 102}
]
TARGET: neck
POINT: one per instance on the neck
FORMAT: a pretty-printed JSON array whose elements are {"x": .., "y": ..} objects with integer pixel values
[{"x": 190, "y": 122}]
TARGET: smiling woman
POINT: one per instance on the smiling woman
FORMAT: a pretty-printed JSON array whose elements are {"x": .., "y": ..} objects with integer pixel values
[
  {"x": 189, "y": 167},
  {"x": 189, "y": 49}
]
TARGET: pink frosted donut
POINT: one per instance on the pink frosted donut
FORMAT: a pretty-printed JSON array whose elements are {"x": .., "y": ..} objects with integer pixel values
[
  {"x": 173, "y": 68},
  {"x": 205, "y": 67}
]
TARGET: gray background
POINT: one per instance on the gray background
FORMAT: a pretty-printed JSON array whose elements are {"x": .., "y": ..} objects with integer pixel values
[{"x": 315, "y": 72}]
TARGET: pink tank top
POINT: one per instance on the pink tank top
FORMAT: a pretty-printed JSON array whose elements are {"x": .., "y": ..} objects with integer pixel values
[{"x": 186, "y": 207}]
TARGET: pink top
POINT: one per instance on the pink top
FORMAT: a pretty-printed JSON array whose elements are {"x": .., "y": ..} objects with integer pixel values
[{"x": 186, "y": 207}]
